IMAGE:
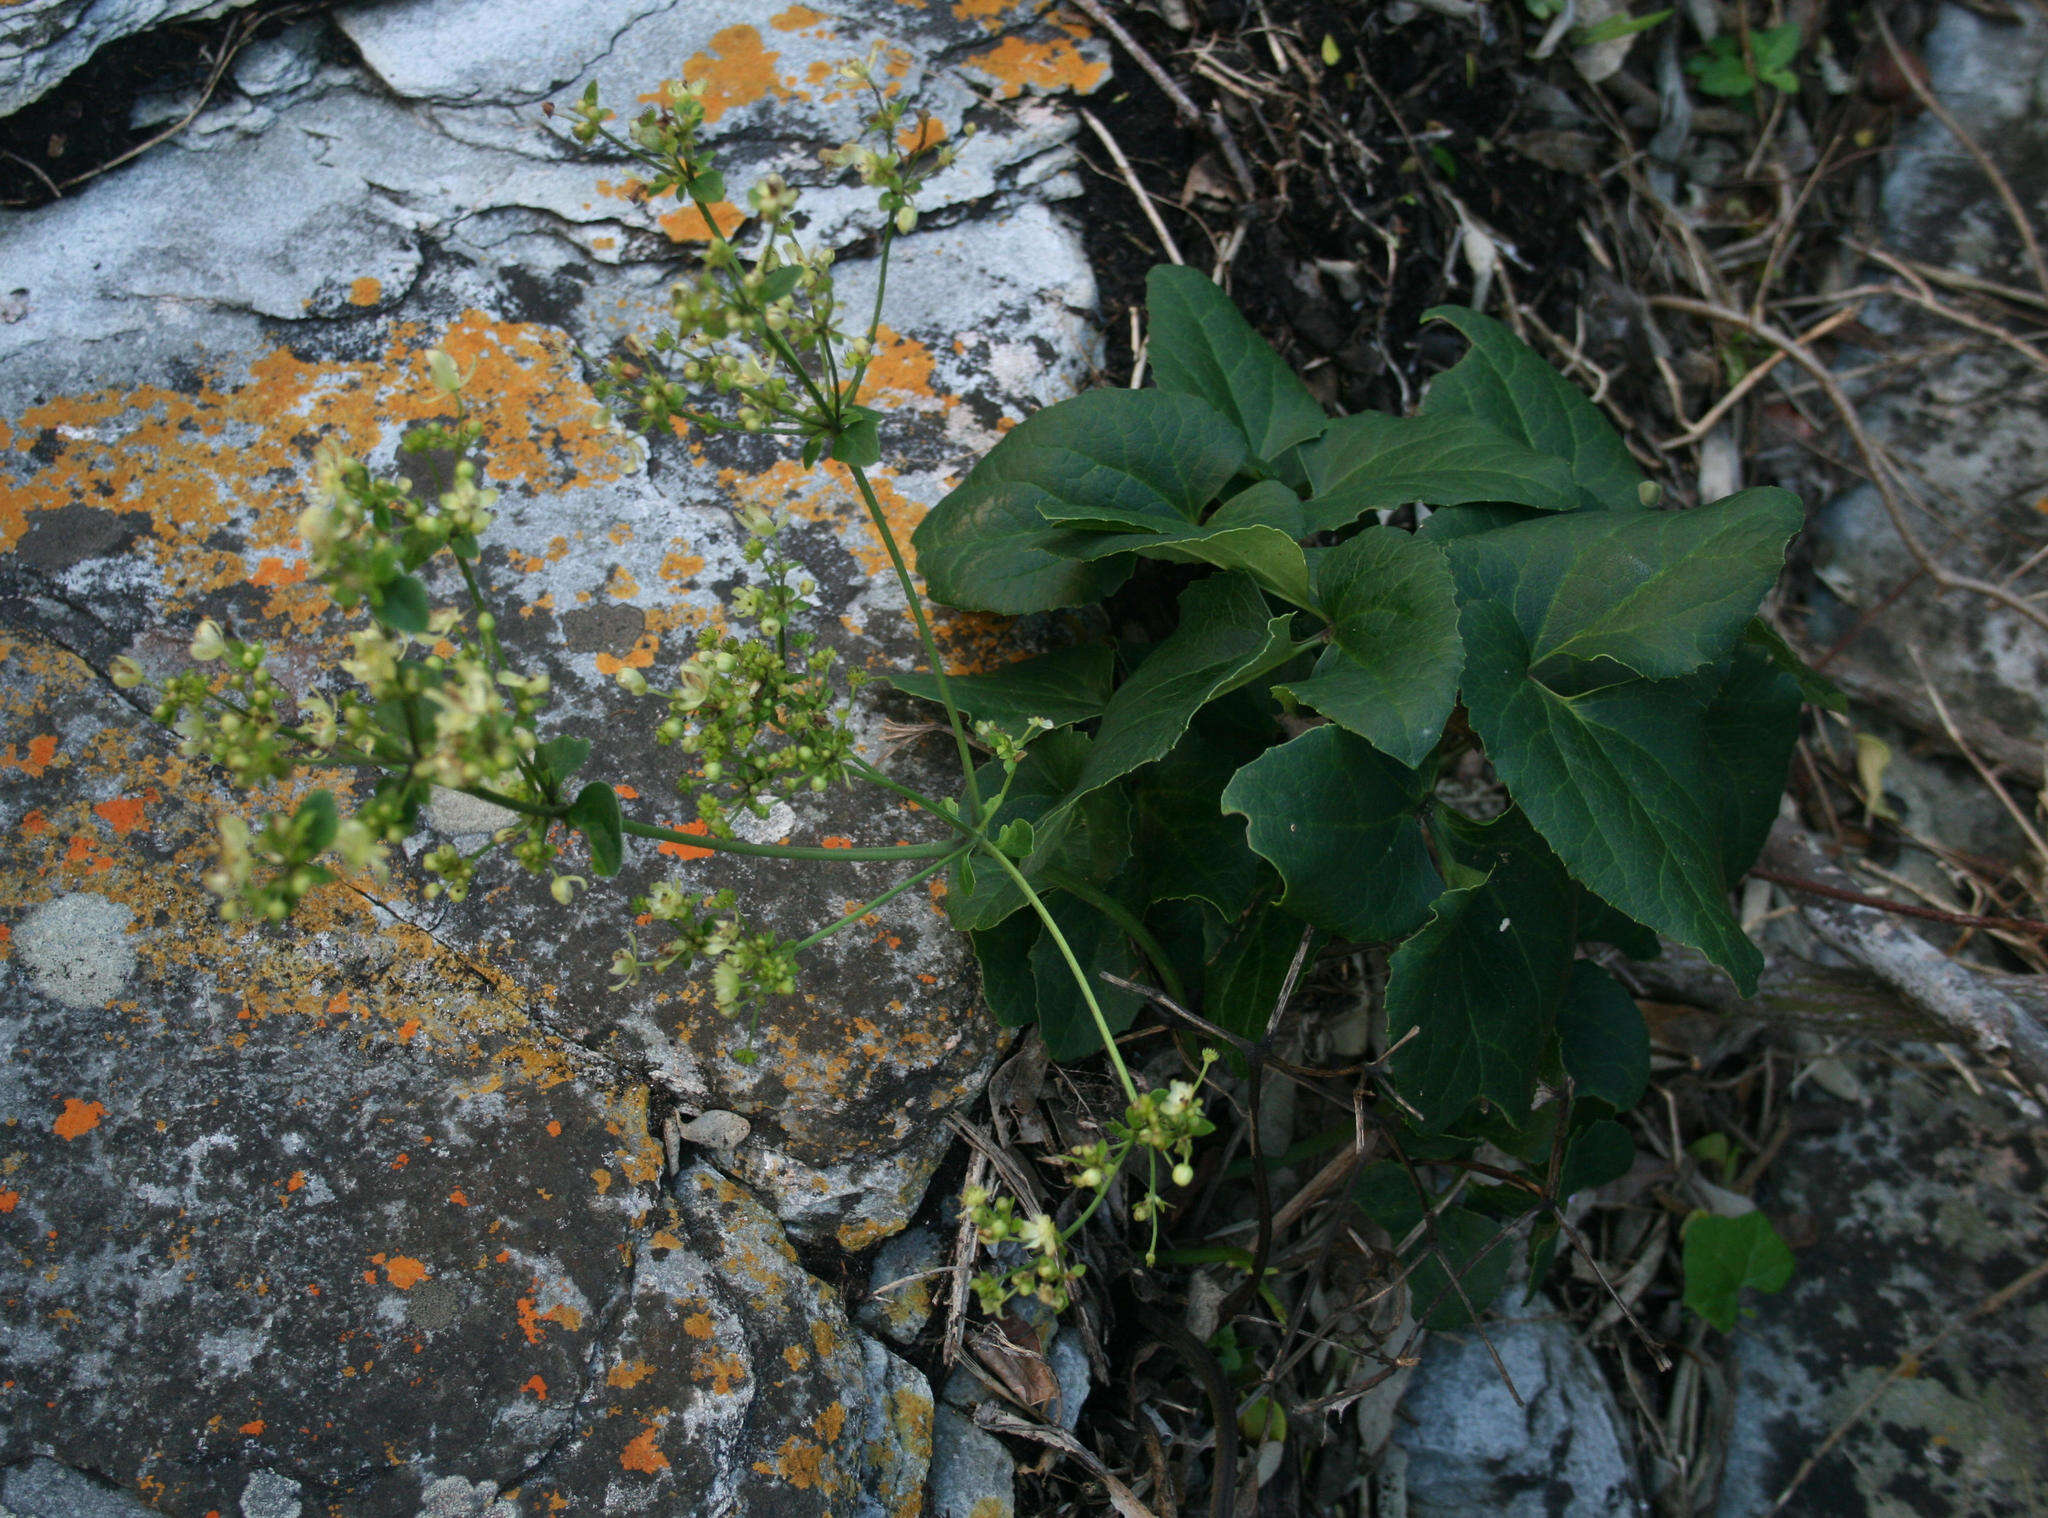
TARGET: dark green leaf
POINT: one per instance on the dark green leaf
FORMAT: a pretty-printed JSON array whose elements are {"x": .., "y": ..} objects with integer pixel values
[
  {"x": 1469, "y": 1251},
  {"x": 1658, "y": 592},
  {"x": 1004, "y": 954},
  {"x": 1448, "y": 523},
  {"x": 1507, "y": 385},
  {"x": 1724, "y": 1255},
  {"x": 1268, "y": 503},
  {"x": 1337, "y": 818},
  {"x": 1066, "y": 686},
  {"x": 708, "y": 187},
  {"x": 1390, "y": 674},
  {"x": 858, "y": 442},
  {"x": 1244, "y": 981},
  {"x": 564, "y": 756},
  {"x": 1814, "y": 687},
  {"x": 402, "y": 605},
  {"x": 1751, "y": 728},
  {"x": 1267, "y": 554},
  {"x": 1225, "y": 638},
  {"x": 1601, "y": 923},
  {"x": 1602, "y": 1039},
  {"x": 319, "y": 818},
  {"x": 1139, "y": 459},
  {"x": 1184, "y": 843},
  {"x": 1371, "y": 462},
  {"x": 1617, "y": 781},
  {"x": 1481, "y": 983},
  {"x": 1199, "y": 345},
  {"x": 985, "y": 547},
  {"x": 1143, "y": 459},
  {"x": 595, "y": 813},
  {"x": 1600, "y": 1152},
  {"x": 1616, "y": 773},
  {"x": 1063, "y": 1018}
]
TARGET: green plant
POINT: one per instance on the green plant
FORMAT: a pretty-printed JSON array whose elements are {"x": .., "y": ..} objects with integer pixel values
[
  {"x": 1271, "y": 776},
  {"x": 1725, "y": 1255},
  {"x": 1280, "y": 762},
  {"x": 1734, "y": 66}
]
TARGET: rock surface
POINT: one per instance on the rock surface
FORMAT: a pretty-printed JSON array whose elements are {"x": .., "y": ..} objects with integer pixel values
[
  {"x": 1471, "y": 1451},
  {"x": 1919, "y": 1205},
  {"x": 364, "y": 1216},
  {"x": 1971, "y": 432},
  {"x": 41, "y": 41}
]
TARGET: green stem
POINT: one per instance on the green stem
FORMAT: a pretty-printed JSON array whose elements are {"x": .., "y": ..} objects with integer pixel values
[
  {"x": 729, "y": 845},
  {"x": 1122, "y": 916},
  {"x": 860, "y": 371},
  {"x": 880, "y": 901},
  {"x": 873, "y": 776},
  {"x": 1073, "y": 968},
  {"x": 1115, "y": 1168},
  {"x": 924, "y": 633}
]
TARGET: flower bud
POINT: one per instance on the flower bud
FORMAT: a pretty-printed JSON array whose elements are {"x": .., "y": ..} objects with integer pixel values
[
  {"x": 126, "y": 673},
  {"x": 632, "y": 681},
  {"x": 208, "y": 643},
  {"x": 442, "y": 372}
]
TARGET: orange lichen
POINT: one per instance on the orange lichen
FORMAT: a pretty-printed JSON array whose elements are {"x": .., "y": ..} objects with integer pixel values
[
  {"x": 796, "y": 18},
  {"x": 537, "y": 1386},
  {"x": 698, "y": 1325},
  {"x": 988, "y": 12},
  {"x": 901, "y": 369},
  {"x": 234, "y": 450},
  {"x": 722, "y": 1371},
  {"x": 642, "y": 1456},
  {"x": 628, "y": 1375},
  {"x": 124, "y": 814},
  {"x": 365, "y": 292},
  {"x": 42, "y": 751},
  {"x": 737, "y": 72},
  {"x": 687, "y": 223},
  {"x": 1017, "y": 65},
  {"x": 8, "y": 1200},
  {"x": 683, "y": 850},
  {"x": 77, "y": 1119},
  {"x": 799, "y": 1462},
  {"x": 402, "y": 1271},
  {"x": 927, "y": 133}
]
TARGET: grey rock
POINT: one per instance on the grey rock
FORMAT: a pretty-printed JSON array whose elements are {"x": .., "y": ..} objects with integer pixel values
[
  {"x": 1918, "y": 1205},
  {"x": 44, "y": 1489},
  {"x": 1471, "y": 1451},
  {"x": 906, "y": 1264},
  {"x": 386, "y": 1173},
  {"x": 1069, "y": 1363},
  {"x": 973, "y": 1475},
  {"x": 42, "y": 41},
  {"x": 194, "y": 263},
  {"x": 76, "y": 949},
  {"x": 1971, "y": 432}
]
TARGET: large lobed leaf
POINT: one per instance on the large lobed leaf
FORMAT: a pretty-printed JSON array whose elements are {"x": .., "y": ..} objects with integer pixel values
[
  {"x": 1371, "y": 462},
  {"x": 1006, "y": 539},
  {"x": 1390, "y": 674},
  {"x": 1507, "y": 385},
  {"x": 1198, "y": 344},
  {"x": 1617, "y": 772},
  {"x": 1337, "y": 818}
]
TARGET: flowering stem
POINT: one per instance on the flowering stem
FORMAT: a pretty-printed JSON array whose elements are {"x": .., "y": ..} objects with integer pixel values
[
  {"x": 924, "y": 633},
  {"x": 1116, "y": 1166},
  {"x": 1121, "y": 915},
  {"x": 730, "y": 845},
  {"x": 1073, "y": 968},
  {"x": 880, "y": 901}
]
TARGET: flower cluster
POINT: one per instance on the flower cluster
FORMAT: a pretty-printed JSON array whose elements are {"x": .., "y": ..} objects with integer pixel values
[
  {"x": 757, "y": 713},
  {"x": 747, "y": 968},
  {"x": 762, "y": 329},
  {"x": 1047, "y": 1273}
]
